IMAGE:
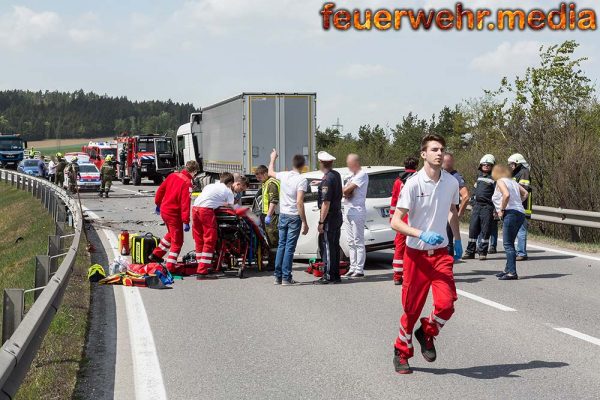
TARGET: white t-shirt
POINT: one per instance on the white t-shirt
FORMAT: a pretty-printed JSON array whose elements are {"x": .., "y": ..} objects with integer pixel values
[
  {"x": 514, "y": 199},
  {"x": 291, "y": 183},
  {"x": 52, "y": 167},
  {"x": 428, "y": 204},
  {"x": 359, "y": 195},
  {"x": 214, "y": 196}
]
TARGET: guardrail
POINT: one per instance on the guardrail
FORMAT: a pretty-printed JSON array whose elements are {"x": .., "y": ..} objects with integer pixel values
[{"x": 22, "y": 334}]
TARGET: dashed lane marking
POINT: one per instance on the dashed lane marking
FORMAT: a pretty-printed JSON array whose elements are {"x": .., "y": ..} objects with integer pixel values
[
  {"x": 484, "y": 301},
  {"x": 579, "y": 335}
]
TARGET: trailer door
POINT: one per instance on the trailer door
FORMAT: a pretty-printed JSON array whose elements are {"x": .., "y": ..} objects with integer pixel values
[
  {"x": 263, "y": 129},
  {"x": 296, "y": 127}
]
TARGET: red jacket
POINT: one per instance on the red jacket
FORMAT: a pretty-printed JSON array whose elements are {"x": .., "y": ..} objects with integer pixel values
[
  {"x": 173, "y": 196},
  {"x": 396, "y": 189}
]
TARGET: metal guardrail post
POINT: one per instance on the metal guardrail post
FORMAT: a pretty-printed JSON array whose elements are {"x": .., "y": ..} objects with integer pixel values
[
  {"x": 54, "y": 245},
  {"x": 13, "y": 310},
  {"x": 42, "y": 273},
  {"x": 60, "y": 228}
]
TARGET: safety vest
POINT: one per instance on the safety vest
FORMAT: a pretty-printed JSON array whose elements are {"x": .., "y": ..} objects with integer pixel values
[
  {"x": 265, "y": 193},
  {"x": 522, "y": 177}
]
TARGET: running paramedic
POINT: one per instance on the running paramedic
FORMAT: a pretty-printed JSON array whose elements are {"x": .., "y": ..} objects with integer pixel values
[
  {"x": 172, "y": 202},
  {"x": 410, "y": 168},
  {"x": 429, "y": 199},
  {"x": 292, "y": 218},
  {"x": 204, "y": 220}
]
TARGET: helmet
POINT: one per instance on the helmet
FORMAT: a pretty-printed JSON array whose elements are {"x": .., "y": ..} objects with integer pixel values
[
  {"x": 517, "y": 159},
  {"x": 74, "y": 159},
  {"x": 59, "y": 155},
  {"x": 108, "y": 158},
  {"x": 488, "y": 159}
]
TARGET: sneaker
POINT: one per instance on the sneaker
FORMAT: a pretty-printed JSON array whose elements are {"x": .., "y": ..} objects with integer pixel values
[
  {"x": 106, "y": 195},
  {"x": 427, "y": 346},
  {"x": 398, "y": 282},
  {"x": 482, "y": 257},
  {"x": 492, "y": 250},
  {"x": 348, "y": 274},
  {"x": 500, "y": 274},
  {"x": 324, "y": 281},
  {"x": 509, "y": 277},
  {"x": 522, "y": 258},
  {"x": 100, "y": 194},
  {"x": 277, "y": 281},
  {"x": 357, "y": 275},
  {"x": 291, "y": 282},
  {"x": 204, "y": 277},
  {"x": 468, "y": 256},
  {"x": 401, "y": 363}
]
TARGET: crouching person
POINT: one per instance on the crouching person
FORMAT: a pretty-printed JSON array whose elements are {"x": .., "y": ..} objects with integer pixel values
[{"x": 204, "y": 219}]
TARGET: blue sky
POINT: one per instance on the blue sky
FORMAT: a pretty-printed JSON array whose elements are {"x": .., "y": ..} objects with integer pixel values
[{"x": 204, "y": 51}]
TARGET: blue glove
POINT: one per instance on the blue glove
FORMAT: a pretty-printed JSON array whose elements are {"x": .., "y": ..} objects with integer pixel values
[
  {"x": 186, "y": 228},
  {"x": 431, "y": 238},
  {"x": 157, "y": 210},
  {"x": 267, "y": 220},
  {"x": 458, "y": 250}
]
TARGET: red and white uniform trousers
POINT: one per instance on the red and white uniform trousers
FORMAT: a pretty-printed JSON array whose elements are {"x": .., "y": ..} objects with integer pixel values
[
  {"x": 204, "y": 230},
  {"x": 170, "y": 245},
  {"x": 424, "y": 269}
]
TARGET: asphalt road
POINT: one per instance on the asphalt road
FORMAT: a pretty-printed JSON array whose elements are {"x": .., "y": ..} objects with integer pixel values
[{"x": 536, "y": 338}]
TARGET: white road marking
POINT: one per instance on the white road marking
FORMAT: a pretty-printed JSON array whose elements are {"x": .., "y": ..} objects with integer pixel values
[
  {"x": 147, "y": 376},
  {"x": 568, "y": 253},
  {"x": 484, "y": 301},
  {"x": 127, "y": 190},
  {"x": 579, "y": 335}
]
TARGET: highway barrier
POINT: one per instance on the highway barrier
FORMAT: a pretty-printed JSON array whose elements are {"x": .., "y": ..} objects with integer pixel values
[{"x": 23, "y": 333}]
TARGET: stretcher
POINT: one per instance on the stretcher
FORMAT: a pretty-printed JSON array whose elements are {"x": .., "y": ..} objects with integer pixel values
[{"x": 316, "y": 268}]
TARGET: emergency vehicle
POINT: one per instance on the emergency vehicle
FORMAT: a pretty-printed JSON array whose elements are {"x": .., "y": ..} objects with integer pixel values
[
  {"x": 97, "y": 151},
  {"x": 148, "y": 156}
]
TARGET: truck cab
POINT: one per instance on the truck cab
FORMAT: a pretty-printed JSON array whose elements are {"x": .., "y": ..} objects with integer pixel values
[
  {"x": 12, "y": 148},
  {"x": 149, "y": 156}
]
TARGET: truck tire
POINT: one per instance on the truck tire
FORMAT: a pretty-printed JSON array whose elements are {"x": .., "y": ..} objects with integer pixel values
[
  {"x": 158, "y": 179},
  {"x": 136, "y": 176}
]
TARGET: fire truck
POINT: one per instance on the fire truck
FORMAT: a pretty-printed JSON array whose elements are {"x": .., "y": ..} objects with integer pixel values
[
  {"x": 148, "y": 156},
  {"x": 99, "y": 150}
]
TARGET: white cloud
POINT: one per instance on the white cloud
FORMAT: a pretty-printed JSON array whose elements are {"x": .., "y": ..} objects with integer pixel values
[
  {"x": 23, "y": 25},
  {"x": 508, "y": 58},
  {"x": 363, "y": 71}
]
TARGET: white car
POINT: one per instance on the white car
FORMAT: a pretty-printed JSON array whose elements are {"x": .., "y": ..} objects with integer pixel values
[
  {"x": 90, "y": 177},
  {"x": 378, "y": 233}
]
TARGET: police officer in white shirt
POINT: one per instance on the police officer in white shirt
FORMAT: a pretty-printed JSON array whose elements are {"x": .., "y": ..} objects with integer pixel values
[{"x": 355, "y": 212}]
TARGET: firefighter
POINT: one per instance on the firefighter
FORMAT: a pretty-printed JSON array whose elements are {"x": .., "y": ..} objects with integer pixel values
[
  {"x": 330, "y": 219},
  {"x": 107, "y": 175},
  {"x": 123, "y": 161},
  {"x": 213, "y": 196},
  {"x": 521, "y": 174},
  {"x": 482, "y": 215},
  {"x": 61, "y": 164},
  {"x": 172, "y": 202},
  {"x": 429, "y": 199},
  {"x": 410, "y": 168},
  {"x": 73, "y": 175},
  {"x": 270, "y": 208}
]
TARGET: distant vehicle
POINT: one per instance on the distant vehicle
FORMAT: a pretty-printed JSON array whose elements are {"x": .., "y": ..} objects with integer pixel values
[
  {"x": 90, "y": 177},
  {"x": 238, "y": 134},
  {"x": 33, "y": 168},
  {"x": 149, "y": 156},
  {"x": 97, "y": 151},
  {"x": 378, "y": 233},
  {"x": 11, "y": 150},
  {"x": 82, "y": 158}
]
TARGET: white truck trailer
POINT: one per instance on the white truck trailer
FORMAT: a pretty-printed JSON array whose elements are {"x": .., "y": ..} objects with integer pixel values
[{"x": 238, "y": 134}]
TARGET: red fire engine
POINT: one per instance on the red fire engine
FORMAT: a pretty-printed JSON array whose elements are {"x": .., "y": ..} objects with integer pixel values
[
  {"x": 99, "y": 150},
  {"x": 148, "y": 156}
]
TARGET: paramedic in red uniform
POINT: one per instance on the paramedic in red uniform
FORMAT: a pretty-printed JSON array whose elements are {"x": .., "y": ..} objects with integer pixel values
[
  {"x": 428, "y": 198},
  {"x": 213, "y": 196},
  {"x": 173, "y": 205},
  {"x": 410, "y": 168}
]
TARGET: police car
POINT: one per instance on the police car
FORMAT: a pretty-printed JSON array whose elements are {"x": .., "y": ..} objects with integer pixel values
[
  {"x": 90, "y": 177},
  {"x": 378, "y": 233}
]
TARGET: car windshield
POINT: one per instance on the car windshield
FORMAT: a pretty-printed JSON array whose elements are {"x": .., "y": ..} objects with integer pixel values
[
  {"x": 87, "y": 168},
  {"x": 146, "y": 146},
  {"x": 30, "y": 163},
  {"x": 106, "y": 152},
  {"x": 11, "y": 144},
  {"x": 380, "y": 185}
]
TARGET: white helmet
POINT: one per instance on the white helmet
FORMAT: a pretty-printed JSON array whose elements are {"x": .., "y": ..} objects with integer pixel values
[
  {"x": 488, "y": 159},
  {"x": 517, "y": 159}
]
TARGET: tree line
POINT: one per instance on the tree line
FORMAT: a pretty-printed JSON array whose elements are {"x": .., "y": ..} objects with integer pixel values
[
  {"x": 52, "y": 114},
  {"x": 550, "y": 114}
]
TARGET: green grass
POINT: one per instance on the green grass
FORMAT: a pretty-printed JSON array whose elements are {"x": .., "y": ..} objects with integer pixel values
[
  {"x": 53, "y": 372},
  {"x": 49, "y": 151}
]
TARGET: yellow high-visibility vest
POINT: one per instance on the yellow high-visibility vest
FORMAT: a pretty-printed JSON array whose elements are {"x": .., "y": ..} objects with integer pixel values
[{"x": 265, "y": 193}]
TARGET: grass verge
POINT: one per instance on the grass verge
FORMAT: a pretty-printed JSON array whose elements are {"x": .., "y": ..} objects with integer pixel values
[{"x": 53, "y": 372}]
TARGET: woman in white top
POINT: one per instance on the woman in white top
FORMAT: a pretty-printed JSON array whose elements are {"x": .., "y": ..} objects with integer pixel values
[{"x": 508, "y": 200}]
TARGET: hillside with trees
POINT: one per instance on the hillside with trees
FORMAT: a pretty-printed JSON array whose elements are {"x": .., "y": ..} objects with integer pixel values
[{"x": 49, "y": 115}]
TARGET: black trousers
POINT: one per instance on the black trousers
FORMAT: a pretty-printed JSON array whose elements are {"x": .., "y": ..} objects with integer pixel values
[
  {"x": 482, "y": 217},
  {"x": 329, "y": 246},
  {"x": 450, "y": 235}
]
